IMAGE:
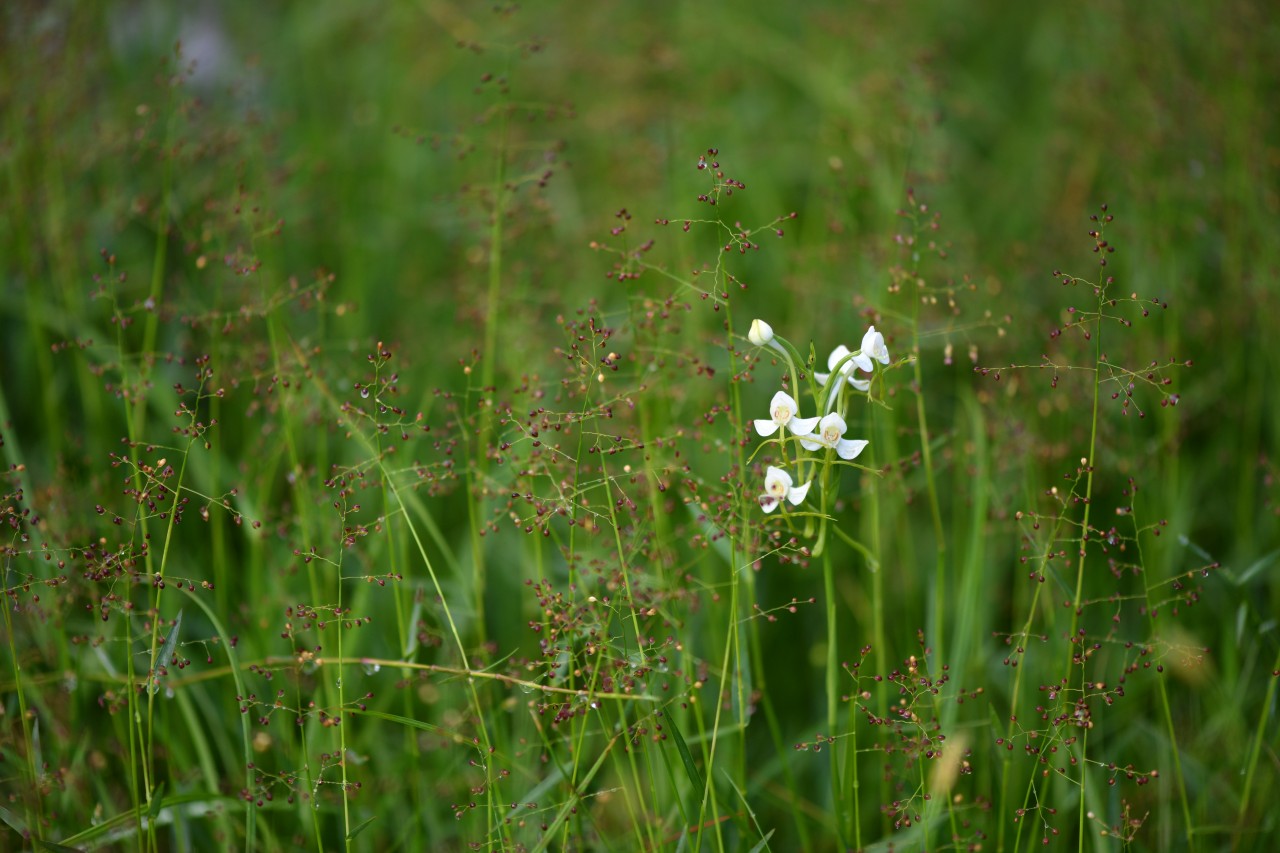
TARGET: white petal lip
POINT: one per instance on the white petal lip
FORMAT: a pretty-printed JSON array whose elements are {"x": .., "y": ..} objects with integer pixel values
[
  {"x": 782, "y": 400},
  {"x": 833, "y": 419},
  {"x": 786, "y": 404},
  {"x": 776, "y": 481},
  {"x": 777, "y": 487}
]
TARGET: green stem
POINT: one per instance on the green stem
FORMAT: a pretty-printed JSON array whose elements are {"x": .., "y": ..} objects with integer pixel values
[
  {"x": 246, "y": 741},
  {"x": 478, "y": 470},
  {"x": 1165, "y": 705},
  {"x": 833, "y": 656},
  {"x": 1254, "y": 753},
  {"x": 1072, "y": 646},
  {"x": 34, "y": 816}
]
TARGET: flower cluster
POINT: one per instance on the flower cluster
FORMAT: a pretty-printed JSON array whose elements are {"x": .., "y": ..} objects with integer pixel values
[
  {"x": 841, "y": 363},
  {"x": 817, "y": 433}
]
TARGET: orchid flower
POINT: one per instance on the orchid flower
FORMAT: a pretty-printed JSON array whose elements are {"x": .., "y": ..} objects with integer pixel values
[
  {"x": 777, "y": 486},
  {"x": 845, "y": 374},
  {"x": 782, "y": 411},
  {"x": 873, "y": 347},
  {"x": 831, "y": 434}
]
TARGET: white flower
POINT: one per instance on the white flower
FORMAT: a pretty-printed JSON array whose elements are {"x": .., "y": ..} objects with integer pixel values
[
  {"x": 761, "y": 333},
  {"x": 777, "y": 486},
  {"x": 831, "y": 434},
  {"x": 873, "y": 347},
  {"x": 845, "y": 373},
  {"x": 782, "y": 411}
]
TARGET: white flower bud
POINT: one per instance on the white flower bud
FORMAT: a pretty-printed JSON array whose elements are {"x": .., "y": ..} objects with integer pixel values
[{"x": 761, "y": 333}]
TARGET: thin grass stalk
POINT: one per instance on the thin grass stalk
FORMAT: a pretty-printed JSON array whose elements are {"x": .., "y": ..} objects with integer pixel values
[
  {"x": 278, "y": 338},
  {"x": 931, "y": 481},
  {"x": 730, "y": 647},
  {"x": 137, "y": 740},
  {"x": 1165, "y": 706},
  {"x": 1016, "y": 694},
  {"x": 136, "y": 413},
  {"x": 402, "y": 629},
  {"x": 204, "y": 755},
  {"x": 131, "y": 708},
  {"x": 832, "y": 677},
  {"x": 1083, "y": 546},
  {"x": 1255, "y": 752},
  {"x": 34, "y": 817},
  {"x": 477, "y": 471},
  {"x": 742, "y": 579},
  {"x": 753, "y": 630},
  {"x": 158, "y": 577},
  {"x": 246, "y": 740},
  {"x": 491, "y": 780},
  {"x": 492, "y": 795},
  {"x": 581, "y": 725},
  {"x": 638, "y": 811}
]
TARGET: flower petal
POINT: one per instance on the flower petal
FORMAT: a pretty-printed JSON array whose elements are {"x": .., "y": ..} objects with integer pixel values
[
  {"x": 782, "y": 407},
  {"x": 832, "y": 419},
  {"x": 796, "y": 495},
  {"x": 837, "y": 356},
  {"x": 873, "y": 346},
  {"x": 782, "y": 398},
  {"x": 802, "y": 426},
  {"x": 861, "y": 384},
  {"x": 769, "y": 503},
  {"x": 776, "y": 481},
  {"x": 849, "y": 448},
  {"x": 766, "y": 427}
]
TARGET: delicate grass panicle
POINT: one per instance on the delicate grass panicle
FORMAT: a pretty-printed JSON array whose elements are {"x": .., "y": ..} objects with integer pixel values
[{"x": 508, "y": 472}]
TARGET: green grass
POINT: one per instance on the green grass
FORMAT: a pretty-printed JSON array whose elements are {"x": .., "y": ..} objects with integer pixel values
[{"x": 377, "y": 401}]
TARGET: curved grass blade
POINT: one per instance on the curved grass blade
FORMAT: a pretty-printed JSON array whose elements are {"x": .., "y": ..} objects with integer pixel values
[
  {"x": 575, "y": 798},
  {"x": 165, "y": 654}
]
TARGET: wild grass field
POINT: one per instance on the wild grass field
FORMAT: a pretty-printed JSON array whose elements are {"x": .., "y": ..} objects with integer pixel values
[{"x": 689, "y": 427}]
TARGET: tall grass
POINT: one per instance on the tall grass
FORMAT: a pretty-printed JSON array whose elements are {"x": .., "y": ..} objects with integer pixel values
[{"x": 386, "y": 420}]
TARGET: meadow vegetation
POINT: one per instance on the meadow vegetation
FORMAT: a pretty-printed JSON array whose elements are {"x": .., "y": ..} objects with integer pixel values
[{"x": 631, "y": 427}]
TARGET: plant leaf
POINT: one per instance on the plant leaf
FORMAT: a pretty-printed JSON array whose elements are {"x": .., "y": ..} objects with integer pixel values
[
  {"x": 361, "y": 828},
  {"x": 165, "y": 654},
  {"x": 15, "y": 823},
  {"x": 691, "y": 769}
]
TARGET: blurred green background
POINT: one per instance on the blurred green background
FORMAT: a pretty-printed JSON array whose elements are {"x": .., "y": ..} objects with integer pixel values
[
  {"x": 337, "y": 163},
  {"x": 369, "y": 135}
]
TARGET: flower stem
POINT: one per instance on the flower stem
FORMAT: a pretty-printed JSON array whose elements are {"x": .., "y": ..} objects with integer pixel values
[{"x": 833, "y": 650}]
